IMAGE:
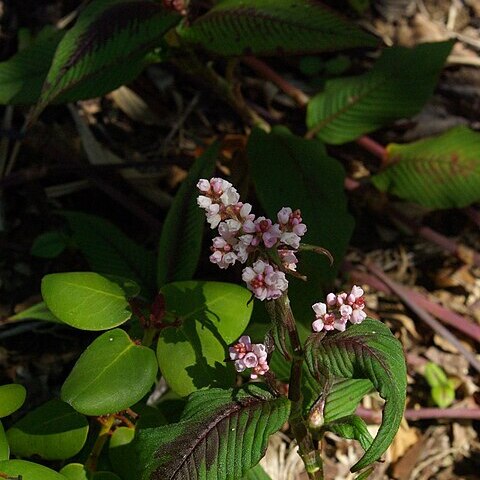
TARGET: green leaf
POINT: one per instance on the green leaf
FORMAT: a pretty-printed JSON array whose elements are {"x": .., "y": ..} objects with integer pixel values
[
  {"x": 22, "y": 76},
  {"x": 443, "y": 395},
  {"x": 222, "y": 434},
  {"x": 105, "y": 48},
  {"x": 436, "y": 172},
  {"x": 39, "y": 311},
  {"x": 368, "y": 350},
  {"x": 85, "y": 300},
  {"x": 352, "y": 427},
  {"x": 53, "y": 431},
  {"x": 344, "y": 396},
  {"x": 23, "y": 470},
  {"x": 111, "y": 375},
  {"x": 49, "y": 244},
  {"x": 12, "y": 397},
  {"x": 435, "y": 375},
  {"x": 256, "y": 473},
  {"x": 181, "y": 241},
  {"x": 290, "y": 171},
  {"x": 364, "y": 475},
  {"x": 4, "y": 447},
  {"x": 74, "y": 471},
  {"x": 398, "y": 85},
  {"x": 108, "y": 250},
  {"x": 273, "y": 27},
  {"x": 212, "y": 315}
]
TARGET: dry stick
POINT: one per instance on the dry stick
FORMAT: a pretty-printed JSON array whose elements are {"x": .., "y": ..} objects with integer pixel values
[
  {"x": 373, "y": 147},
  {"x": 445, "y": 315},
  {"x": 434, "y": 324},
  {"x": 462, "y": 252},
  {"x": 424, "y": 414}
]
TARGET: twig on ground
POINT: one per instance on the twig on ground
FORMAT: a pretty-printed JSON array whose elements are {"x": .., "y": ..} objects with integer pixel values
[
  {"x": 375, "y": 416},
  {"x": 442, "y": 313},
  {"x": 434, "y": 324}
]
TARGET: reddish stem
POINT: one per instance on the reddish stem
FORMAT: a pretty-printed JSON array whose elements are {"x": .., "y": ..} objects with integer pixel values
[
  {"x": 424, "y": 414},
  {"x": 462, "y": 252},
  {"x": 266, "y": 72},
  {"x": 373, "y": 147},
  {"x": 443, "y": 314}
]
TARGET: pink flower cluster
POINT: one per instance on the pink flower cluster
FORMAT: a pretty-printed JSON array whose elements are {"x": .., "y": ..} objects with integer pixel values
[
  {"x": 249, "y": 355},
  {"x": 242, "y": 236},
  {"x": 338, "y": 310}
]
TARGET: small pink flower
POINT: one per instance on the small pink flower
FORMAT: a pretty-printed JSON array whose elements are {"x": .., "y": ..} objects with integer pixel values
[
  {"x": 248, "y": 355},
  {"x": 264, "y": 281},
  {"x": 223, "y": 254}
]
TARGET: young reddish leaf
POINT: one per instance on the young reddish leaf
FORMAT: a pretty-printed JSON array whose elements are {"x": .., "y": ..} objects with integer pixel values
[
  {"x": 368, "y": 350},
  {"x": 437, "y": 172},
  {"x": 274, "y": 27},
  {"x": 398, "y": 85},
  {"x": 106, "y": 47}
]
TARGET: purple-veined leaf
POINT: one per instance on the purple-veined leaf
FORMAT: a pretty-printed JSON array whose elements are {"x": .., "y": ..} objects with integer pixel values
[
  {"x": 222, "y": 434},
  {"x": 368, "y": 350},
  {"x": 105, "y": 48},
  {"x": 274, "y": 27},
  {"x": 398, "y": 85},
  {"x": 436, "y": 172}
]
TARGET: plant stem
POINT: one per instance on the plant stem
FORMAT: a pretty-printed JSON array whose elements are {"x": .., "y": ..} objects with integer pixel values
[
  {"x": 306, "y": 446},
  {"x": 103, "y": 434},
  {"x": 148, "y": 336}
]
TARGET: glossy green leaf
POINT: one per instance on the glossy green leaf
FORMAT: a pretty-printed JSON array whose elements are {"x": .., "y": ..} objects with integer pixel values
[
  {"x": 273, "y": 27},
  {"x": 398, "y": 85},
  {"x": 49, "y": 244},
  {"x": 222, "y": 434},
  {"x": 74, "y": 471},
  {"x": 85, "y": 300},
  {"x": 344, "y": 396},
  {"x": 290, "y": 171},
  {"x": 368, "y": 350},
  {"x": 105, "y": 48},
  {"x": 39, "y": 311},
  {"x": 53, "y": 431},
  {"x": 366, "y": 474},
  {"x": 23, "y": 470},
  {"x": 436, "y": 172},
  {"x": 109, "y": 251},
  {"x": 181, "y": 241},
  {"x": 443, "y": 395},
  {"x": 434, "y": 375},
  {"x": 112, "y": 374},
  {"x": 12, "y": 397},
  {"x": 213, "y": 315},
  {"x": 257, "y": 473},
  {"x": 22, "y": 76},
  {"x": 352, "y": 427},
  {"x": 4, "y": 447}
]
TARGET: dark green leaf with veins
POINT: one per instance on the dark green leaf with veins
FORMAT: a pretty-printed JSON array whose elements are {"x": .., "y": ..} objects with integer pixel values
[
  {"x": 397, "y": 86},
  {"x": 181, "y": 241},
  {"x": 222, "y": 435},
  {"x": 436, "y": 172},
  {"x": 106, "y": 47},
  {"x": 273, "y": 27},
  {"x": 368, "y": 350}
]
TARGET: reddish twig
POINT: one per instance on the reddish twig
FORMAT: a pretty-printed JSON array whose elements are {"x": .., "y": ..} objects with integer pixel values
[
  {"x": 443, "y": 314},
  {"x": 266, "y": 72},
  {"x": 375, "y": 416},
  {"x": 373, "y": 147},
  {"x": 434, "y": 324},
  {"x": 462, "y": 252}
]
